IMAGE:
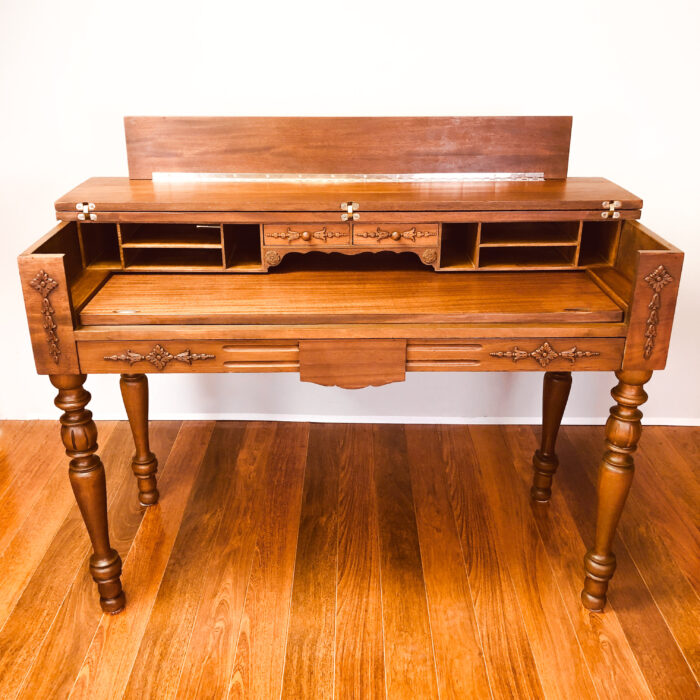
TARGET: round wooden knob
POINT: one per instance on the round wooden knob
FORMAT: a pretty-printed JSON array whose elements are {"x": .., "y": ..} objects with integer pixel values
[
  {"x": 306, "y": 236},
  {"x": 395, "y": 235}
]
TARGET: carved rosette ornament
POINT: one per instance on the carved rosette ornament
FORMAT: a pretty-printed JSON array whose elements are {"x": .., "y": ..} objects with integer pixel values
[
  {"x": 657, "y": 280},
  {"x": 45, "y": 285},
  {"x": 429, "y": 256},
  {"x": 321, "y": 235},
  {"x": 411, "y": 234},
  {"x": 272, "y": 257},
  {"x": 159, "y": 357},
  {"x": 544, "y": 354}
]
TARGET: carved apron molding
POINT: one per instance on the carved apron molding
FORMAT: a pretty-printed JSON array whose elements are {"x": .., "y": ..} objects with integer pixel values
[
  {"x": 159, "y": 357},
  {"x": 544, "y": 354}
]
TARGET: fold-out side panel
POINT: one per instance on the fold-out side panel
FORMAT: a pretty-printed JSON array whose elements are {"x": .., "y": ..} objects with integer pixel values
[{"x": 342, "y": 296}]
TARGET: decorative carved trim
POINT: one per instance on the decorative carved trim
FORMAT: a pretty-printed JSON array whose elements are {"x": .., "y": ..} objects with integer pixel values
[
  {"x": 159, "y": 357},
  {"x": 545, "y": 354},
  {"x": 412, "y": 234},
  {"x": 45, "y": 285},
  {"x": 321, "y": 235},
  {"x": 429, "y": 256},
  {"x": 272, "y": 257},
  {"x": 657, "y": 280}
]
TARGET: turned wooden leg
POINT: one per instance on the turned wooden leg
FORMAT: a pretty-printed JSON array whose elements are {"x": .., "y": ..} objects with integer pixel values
[
  {"x": 622, "y": 432},
  {"x": 545, "y": 462},
  {"x": 87, "y": 477},
  {"x": 144, "y": 465}
]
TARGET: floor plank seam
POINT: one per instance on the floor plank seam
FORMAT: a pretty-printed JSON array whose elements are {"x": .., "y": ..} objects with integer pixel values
[{"x": 466, "y": 573}]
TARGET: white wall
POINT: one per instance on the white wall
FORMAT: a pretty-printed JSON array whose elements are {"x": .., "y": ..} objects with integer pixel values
[{"x": 628, "y": 71}]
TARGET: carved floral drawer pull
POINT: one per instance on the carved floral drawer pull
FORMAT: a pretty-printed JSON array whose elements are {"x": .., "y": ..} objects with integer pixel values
[
  {"x": 657, "y": 280},
  {"x": 45, "y": 285},
  {"x": 411, "y": 234},
  {"x": 545, "y": 354},
  {"x": 159, "y": 357},
  {"x": 321, "y": 235}
]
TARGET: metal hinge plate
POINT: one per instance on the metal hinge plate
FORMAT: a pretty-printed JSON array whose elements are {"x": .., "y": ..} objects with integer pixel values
[
  {"x": 610, "y": 207},
  {"x": 349, "y": 211},
  {"x": 86, "y": 209}
]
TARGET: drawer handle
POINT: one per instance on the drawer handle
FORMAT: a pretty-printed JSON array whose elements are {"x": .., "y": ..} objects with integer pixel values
[
  {"x": 321, "y": 235},
  {"x": 545, "y": 354},
  {"x": 411, "y": 234},
  {"x": 159, "y": 357}
]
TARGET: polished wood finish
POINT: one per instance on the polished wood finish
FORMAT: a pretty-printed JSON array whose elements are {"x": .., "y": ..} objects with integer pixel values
[
  {"x": 52, "y": 644},
  {"x": 134, "y": 388},
  {"x": 348, "y": 296},
  {"x": 622, "y": 433},
  {"x": 347, "y": 145},
  {"x": 358, "y": 280},
  {"x": 511, "y": 354},
  {"x": 112, "y": 195},
  {"x": 352, "y": 364},
  {"x": 555, "y": 393},
  {"x": 87, "y": 478}
]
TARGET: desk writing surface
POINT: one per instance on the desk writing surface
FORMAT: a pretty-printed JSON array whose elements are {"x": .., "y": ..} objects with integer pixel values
[{"x": 350, "y": 296}]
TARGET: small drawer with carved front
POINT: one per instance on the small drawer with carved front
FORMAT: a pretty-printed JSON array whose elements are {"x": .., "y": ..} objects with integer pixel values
[
  {"x": 306, "y": 234},
  {"x": 391, "y": 235}
]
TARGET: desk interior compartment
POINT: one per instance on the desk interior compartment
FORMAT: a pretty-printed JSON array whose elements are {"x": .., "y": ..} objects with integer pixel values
[
  {"x": 171, "y": 235},
  {"x": 172, "y": 259},
  {"x": 459, "y": 246},
  {"x": 599, "y": 242},
  {"x": 99, "y": 246},
  {"x": 242, "y": 247}
]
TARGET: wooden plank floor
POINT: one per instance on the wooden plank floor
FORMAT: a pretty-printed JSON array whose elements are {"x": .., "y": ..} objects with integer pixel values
[{"x": 290, "y": 560}]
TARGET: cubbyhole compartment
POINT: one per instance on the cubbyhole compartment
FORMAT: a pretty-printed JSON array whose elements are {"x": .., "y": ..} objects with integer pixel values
[
  {"x": 527, "y": 233},
  {"x": 599, "y": 241},
  {"x": 528, "y": 257},
  {"x": 171, "y": 236},
  {"x": 99, "y": 245},
  {"x": 173, "y": 259},
  {"x": 242, "y": 247},
  {"x": 459, "y": 246}
]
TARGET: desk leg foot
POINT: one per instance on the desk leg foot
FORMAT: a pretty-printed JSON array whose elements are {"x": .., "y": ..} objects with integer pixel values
[
  {"x": 622, "y": 432},
  {"x": 134, "y": 389},
  {"x": 87, "y": 478},
  {"x": 555, "y": 394}
]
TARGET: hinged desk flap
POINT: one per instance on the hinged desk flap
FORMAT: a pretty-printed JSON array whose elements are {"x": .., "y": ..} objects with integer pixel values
[{"x": 119, "y": 194}]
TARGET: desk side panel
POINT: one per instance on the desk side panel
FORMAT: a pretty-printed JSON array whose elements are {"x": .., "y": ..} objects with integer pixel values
[{"x": 49, "y": 313}]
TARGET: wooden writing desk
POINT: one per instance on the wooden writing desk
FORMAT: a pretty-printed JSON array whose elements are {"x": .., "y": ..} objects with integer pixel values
[{"x": 350, "y": 250}]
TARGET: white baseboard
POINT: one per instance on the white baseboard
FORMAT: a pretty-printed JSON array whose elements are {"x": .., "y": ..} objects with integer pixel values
[{"x": 412, "y": 420}]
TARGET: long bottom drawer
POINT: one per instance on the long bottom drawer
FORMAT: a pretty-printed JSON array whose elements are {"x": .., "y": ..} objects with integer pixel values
[{"x": 479, "y": 354}]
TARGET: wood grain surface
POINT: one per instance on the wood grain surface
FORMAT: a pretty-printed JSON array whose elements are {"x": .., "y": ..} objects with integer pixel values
[
  {"x": 348, "y": 561},
  {"x": 347, "y": 145},
  {"x": 344, "y": 296},
  {"x": 119, "y": 194}
]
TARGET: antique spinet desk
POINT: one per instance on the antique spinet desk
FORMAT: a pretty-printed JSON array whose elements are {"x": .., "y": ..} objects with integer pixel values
[{"x": 350, "y": 250}]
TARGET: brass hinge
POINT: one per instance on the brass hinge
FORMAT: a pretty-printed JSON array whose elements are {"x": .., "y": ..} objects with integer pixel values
[
  {"x": 349, "y": 211},
  {"x": 610, "y": 207},
  {"x": 85, "y": 209}
]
